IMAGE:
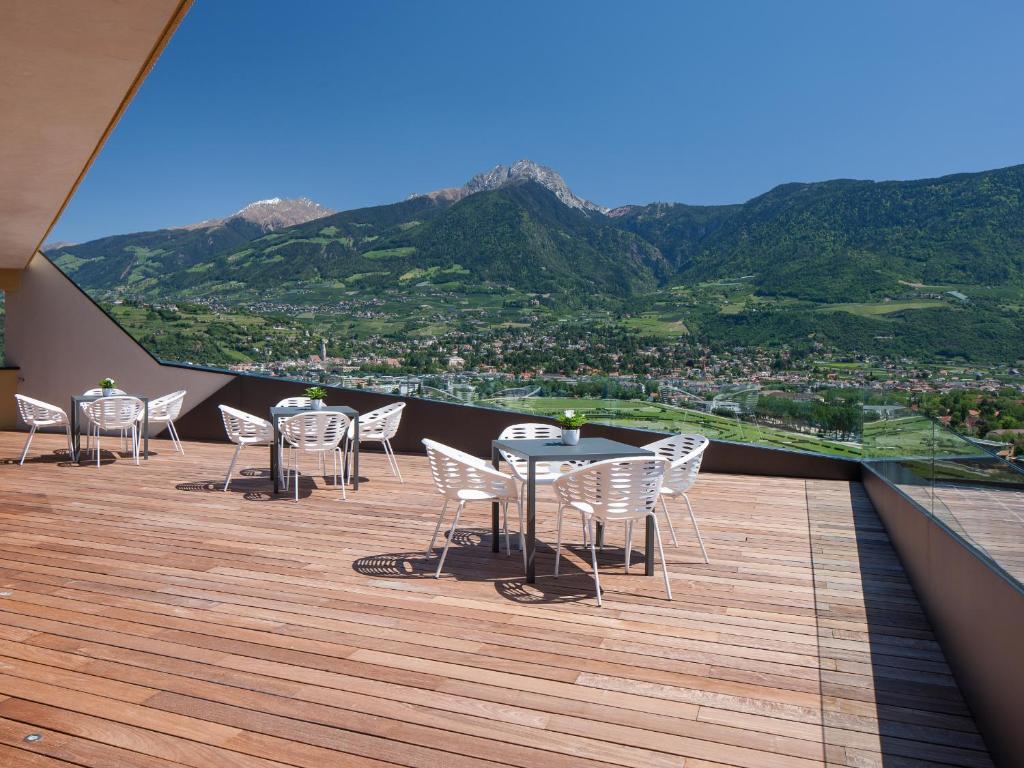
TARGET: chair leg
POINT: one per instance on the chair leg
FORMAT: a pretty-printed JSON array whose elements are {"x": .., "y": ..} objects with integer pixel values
[
  {"x": 583, "y": 522},
  {"x": 558, "y": 539},
  {"x": 71, "y": 443},
  {"x": 135, "y": 444},
  {"x": 231, "y": 466},
  {"x": 177, "y": 440},
  {"x": 437, "y": 527},
  {"x": 393, "y": 459},
  {"x": 593, "y": 562},
  {"x": 668, "y": 518},
  {"x": 295, "y": 467},
  {"x": 661, "y": 554},
  {"x": 97, "y": 446},
  {"x": 700, "y": 539},
  {"x": 28, "y": 442},
  {"x": 448, "y": 541}
]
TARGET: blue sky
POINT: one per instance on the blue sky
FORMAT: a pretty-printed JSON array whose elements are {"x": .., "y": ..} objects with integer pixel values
[{"x": 356, "y": 104}]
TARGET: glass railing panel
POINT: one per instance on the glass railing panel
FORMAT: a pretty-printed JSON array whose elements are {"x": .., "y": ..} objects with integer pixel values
[{"x": 976, "y": 493}]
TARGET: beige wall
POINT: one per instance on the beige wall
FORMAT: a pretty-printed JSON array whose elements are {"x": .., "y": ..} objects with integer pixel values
[{"x": 64, "y": 344}]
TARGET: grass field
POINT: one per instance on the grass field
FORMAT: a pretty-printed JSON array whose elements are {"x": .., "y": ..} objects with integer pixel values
[
  {"x": 880, "y": 309},
  {"x": 667, "y": 418}
]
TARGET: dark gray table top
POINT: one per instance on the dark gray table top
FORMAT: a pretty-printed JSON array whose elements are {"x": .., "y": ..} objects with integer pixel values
[{"x": 588, "y": 449}]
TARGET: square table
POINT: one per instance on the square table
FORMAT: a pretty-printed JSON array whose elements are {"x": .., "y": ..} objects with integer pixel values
[
  {"x": 76, "y": 426},
  {"x": 280, "y": 412},
  {"x": 552, "y": 450}
]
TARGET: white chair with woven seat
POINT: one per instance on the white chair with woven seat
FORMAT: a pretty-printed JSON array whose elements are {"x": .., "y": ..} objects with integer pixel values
[
  {"x": 319, "y": 433},
  {"x": 118, "y": 413},
  {"x": 380, "y": 426},
  {"x": 164, "y": 410},
  {"x": 244, "y": 429},
  {"x": 684, "y": 453},
  {"x": 38, "y": 414},
  {"x": 462, "y": 478},
  {"x": 615, "y": 490}
]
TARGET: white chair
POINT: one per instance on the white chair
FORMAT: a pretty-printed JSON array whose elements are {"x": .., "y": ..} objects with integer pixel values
[
  {"x": 38, "y": 414},
  {"x": 98, "y": 392},
  {"x": 545, "y": 473},
  {"x": 461, "y": 478},
  {"x": 294, "y": 402},
  {"x": 244, "y": 429},
  {"x": 685, "y": 453},
  {"x": 380, "y": 426},
  {"x": 317, "y": 432},
  {"x": 164, "y": 410},
  {"x": 615, "y": 490},
  {"x": 299, "y": 401},
  {"x": 118, "y": 413}
]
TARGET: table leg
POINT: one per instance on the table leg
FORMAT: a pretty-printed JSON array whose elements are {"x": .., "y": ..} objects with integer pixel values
[
  {"x": 599, "y": 536},
  {"x": 76, "y": 436},
  {"x": 531, "y": 522},
  {"x": 649, "y": 548},
  {"x": 495, "y": 512},
  {"x": 355, "y": 459},
  {"x": 145, "y": 428},
  {"x": 275, "y": 457}
]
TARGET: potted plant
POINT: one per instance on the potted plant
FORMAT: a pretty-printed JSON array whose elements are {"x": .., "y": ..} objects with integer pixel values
[
  {"x": 107, "y": 387},
  {"x": 570, "y": 422},
  {"x": 316, "y": 397}
]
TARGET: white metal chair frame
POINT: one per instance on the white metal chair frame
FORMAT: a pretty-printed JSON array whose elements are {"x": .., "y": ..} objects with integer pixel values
[
  {"x": 546, "y": 473},
  {"x": 98, "y": 392},
  {"x": 614, "y": 490},
  {"x": 164, "y": 410},
  {"x": 462, "y": 478},
  {"x": 117, "y": 412},
  {"x": 685, "y": 453},
  {"x": 380, "y": 426},
  {"x": 320, "y": 433},
  {"x": 244, "y": 429},
  {"x": 38, "y": 414}
]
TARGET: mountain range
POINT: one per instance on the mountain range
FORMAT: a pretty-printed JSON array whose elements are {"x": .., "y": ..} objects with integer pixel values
[{"x": 521, "y": 227}]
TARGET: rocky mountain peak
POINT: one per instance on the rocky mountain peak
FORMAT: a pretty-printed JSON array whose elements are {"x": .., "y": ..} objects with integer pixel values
[
  {"x": 272, "y": 214},
  {"x": 519, "y": 171}
]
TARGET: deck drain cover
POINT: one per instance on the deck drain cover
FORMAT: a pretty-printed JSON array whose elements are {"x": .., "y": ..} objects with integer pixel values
[{"x": 33, "y": 737}]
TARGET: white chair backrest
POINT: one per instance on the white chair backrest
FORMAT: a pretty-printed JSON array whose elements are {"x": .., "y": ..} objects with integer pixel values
[
  {"x": 167, "y": 407},
  {"x": 527, "y": 431},
  {"x": 616, "y": 489},
  {"x": 382, "y": 423},
  {"x": 315, "y": 430},
  {"x": 114, "y": 412},
  {"x": 294, "y": 402},
  {"x": 454, "y": 470},
  {"x": 685, "y": 453},
  {"x": 37, "y": 412},
  {"x": 98, "y": 391},
  {"x": 240, "y": 425}
]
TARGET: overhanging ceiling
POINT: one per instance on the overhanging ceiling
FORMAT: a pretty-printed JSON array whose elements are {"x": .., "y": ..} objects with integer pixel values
[{"x": 67, "y": 71}]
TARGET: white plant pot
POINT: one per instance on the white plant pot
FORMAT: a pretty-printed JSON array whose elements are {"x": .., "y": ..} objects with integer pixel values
[
  {"x": 570, "y": 436},
  {"x": 316, "y": 405},
  {"x": 107, "y": 392}
]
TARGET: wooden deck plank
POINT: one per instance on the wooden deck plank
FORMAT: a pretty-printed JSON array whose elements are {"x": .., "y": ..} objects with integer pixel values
[{"x": 153, "y": 619}]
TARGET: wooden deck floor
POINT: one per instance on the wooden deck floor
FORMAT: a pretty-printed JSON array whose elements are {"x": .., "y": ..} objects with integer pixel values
[{"x": 149, "y": 619}]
